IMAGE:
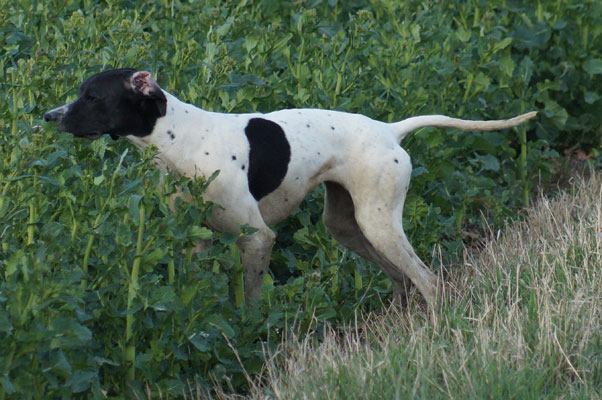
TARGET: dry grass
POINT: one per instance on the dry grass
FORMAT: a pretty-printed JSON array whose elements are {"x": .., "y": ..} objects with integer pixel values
[{"x": 527, "y": 323}]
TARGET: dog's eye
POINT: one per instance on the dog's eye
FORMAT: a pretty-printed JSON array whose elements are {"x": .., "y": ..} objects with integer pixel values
[{"x": 90, "y": 97}]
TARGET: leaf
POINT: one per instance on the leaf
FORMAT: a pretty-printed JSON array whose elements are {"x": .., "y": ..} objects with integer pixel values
[
  {"x": 5, "y": 325},
  {"x": 7, "y": 385},
  {"x": 14, "y": 263},
  {"x": 99, "y": 147},
  {"x": 197, "y": 233},
  {"x": 526, "y": 68},
  {"x": 507, "y": 65},
  {"x": 591, "y": 97},
  {"x": 556, "y": 113},
  {"x": 200, "y": 342},
  {"x": 102, "y": 361},
  {"x": 593, "y": 66},
  {"x": 81, "y": 380},
  {"x": 188, "y": 292},
  {"x": 267, "y": 279},
  {"x": 530, "y": 37},
  {"x": 419, "y": 171},
  {"x": 225, "y": 28},
  {"x": 301, "y": 235},
  {"x": 432, "y": 137},
  {"x": 489, "y": 162},
  {"x": 463, "y": 34},
  {"x": 162, "y": 296},
  {"x": 134, "y": 207},
  {"x": 502, "y": 44},
  {"x": 228, "y": 238},
  {"x": 52, "y": 229},
  {"x": 153, "y": 257},
  {"x": 282, "y": 43},
  {"x": 220, "y": 323},
  {"x": 481, "y": 82},
  {"x": 131, "y": 185},
  {"x": 61, "y": 365},
  {"x": 99, "y": 179},
  {"x": 415, "y": 30}
]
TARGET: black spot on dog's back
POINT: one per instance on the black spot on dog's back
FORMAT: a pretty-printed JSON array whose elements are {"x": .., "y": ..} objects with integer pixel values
[{"x": 269, "y": 156}]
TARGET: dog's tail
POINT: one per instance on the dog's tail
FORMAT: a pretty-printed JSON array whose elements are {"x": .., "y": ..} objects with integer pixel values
[{"x": 402, "y": 128}]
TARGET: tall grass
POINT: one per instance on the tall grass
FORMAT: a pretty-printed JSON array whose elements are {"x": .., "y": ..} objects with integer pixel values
[{"x": 526, "y": 323}]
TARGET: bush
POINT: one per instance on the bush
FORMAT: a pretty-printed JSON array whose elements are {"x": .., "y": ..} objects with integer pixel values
[{"x": 95, "y": 268}]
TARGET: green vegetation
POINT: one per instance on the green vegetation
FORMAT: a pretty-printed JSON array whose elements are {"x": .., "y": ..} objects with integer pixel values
[{"x": 100, "y": 295}]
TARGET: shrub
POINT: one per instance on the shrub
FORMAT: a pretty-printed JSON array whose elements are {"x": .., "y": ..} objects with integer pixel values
[{"x": 99, "y": 293}]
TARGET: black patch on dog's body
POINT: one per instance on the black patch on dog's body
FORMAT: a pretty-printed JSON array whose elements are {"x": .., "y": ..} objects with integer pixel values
[{"x": 269, "y": 156}]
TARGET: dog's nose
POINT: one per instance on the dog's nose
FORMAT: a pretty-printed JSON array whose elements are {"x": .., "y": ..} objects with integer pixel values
[{"x": 55, "y": 115}]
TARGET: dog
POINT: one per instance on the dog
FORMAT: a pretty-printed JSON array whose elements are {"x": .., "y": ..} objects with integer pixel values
[{"x": 269, "y": 162}]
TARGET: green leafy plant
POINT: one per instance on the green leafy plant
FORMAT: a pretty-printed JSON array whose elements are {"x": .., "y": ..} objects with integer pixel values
[{"x": 100, "y": 293}]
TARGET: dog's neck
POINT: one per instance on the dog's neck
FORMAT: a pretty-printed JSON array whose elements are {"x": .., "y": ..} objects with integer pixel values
[
  {"x": 179, "y": 121},
  {"x": 175, "y": 121}
]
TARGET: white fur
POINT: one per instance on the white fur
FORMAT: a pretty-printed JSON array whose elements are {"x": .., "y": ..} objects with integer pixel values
[{"x": 368, "y": 174}]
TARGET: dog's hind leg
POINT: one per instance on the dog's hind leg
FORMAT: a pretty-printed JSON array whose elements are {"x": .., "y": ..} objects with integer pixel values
[
  {"x": 384, "y": 231},
  {"x": 339, "y": 218},
  {"x": 378, "y": 194}
]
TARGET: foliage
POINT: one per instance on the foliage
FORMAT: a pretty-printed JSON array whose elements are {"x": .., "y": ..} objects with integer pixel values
[{"x": 71, "y": 211}]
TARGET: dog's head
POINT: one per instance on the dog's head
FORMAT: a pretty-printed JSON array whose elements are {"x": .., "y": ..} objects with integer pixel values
[{"x": 117, "y": 102}]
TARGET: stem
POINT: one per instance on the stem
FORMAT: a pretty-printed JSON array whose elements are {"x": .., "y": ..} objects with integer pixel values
[
  {"x": 238, "y": 278},
  {"x": 16, "y": 96},
  {"x": 129, "y": 355},
  {"x": 469, "y": 81},
  {"x": 460, "y": 217},
  {"x": 87, "y": 254},
  {"x": 8, "y": 363},
  {"x": 74, "y": 227},
  {"x": 97, "y": 221},
  {"x": 171, "y": 273},
  {"x": 32, "y": 219},
  {"x": 85, "y": 262},
  {"x": 299, "y": 66},
  {"x": 337, "y": 89},
  {"x": 2, "y": 197},
  {"x": 523, "y": 166},
  {"x": 357, "y": 278},
  {"x": 32, "y": 214},
  {"x": 187, "y": 258}
]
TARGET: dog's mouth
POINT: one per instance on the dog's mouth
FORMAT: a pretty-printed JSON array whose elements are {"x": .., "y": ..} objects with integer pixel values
[
  {"x": 92, "y": 136},
  {"x": 89, "y": 136},
  {"x": 66, "y": 125}
]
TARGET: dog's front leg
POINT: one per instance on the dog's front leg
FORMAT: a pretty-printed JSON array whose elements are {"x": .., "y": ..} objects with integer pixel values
[{"x": 255, "y": 250}]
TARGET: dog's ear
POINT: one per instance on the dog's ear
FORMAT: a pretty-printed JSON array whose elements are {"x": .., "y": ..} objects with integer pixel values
[{"x": 142, "y": 82}]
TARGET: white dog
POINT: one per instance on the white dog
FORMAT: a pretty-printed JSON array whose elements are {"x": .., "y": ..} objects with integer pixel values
[{"x": 269, "y": 162}]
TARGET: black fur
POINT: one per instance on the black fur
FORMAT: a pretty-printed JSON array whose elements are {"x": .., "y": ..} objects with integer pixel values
[
  {"x": 269, "y": 156},
  {"x": 107, "y": 105}
]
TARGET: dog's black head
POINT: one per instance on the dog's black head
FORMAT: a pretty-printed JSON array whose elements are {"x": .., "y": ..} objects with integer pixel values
[{"x": 118, "y": 102}]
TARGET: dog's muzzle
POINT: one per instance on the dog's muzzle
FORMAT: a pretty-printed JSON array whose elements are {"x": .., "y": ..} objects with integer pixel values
[{"x": 56, "y": 115}]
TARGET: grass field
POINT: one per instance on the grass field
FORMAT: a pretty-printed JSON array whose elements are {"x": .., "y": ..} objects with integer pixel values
[
  {"x": 100, "y": 295},
  {"x": 525, "y": 323}
]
